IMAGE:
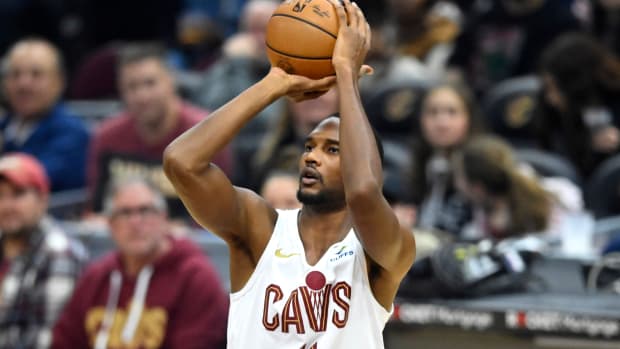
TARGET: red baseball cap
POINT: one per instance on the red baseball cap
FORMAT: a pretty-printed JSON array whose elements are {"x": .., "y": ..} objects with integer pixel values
[{"x": 24, "y": 171}]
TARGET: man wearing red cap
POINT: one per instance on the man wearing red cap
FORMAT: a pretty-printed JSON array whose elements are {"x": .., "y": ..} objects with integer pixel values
[{"x": 38, "y": 262}]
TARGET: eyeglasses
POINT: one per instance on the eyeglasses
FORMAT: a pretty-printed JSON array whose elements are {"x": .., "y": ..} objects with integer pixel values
[{"x": 142, "y": 211}]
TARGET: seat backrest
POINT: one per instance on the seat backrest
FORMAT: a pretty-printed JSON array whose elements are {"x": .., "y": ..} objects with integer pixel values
[
  {"x": 606, "y": 230},
  {"x": 548, "y": 164},
  {"x": 603, "y": 189},
  {"x": 393, "y": 108},
  {"x": 68, "y": 204},
  {"x": 93, "y": 112},
  {"x": 509, "y": 106},
  {"x": 95, "y": 77},
  {"x": 396, "y": 166}
]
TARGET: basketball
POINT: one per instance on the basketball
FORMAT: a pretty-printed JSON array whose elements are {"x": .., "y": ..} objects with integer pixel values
[{"x": 300, "y": 37}]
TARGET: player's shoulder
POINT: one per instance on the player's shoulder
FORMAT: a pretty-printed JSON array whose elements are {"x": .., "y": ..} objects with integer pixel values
[
  {"x": 256, "y": 208},
  {"x": 259, "y": 221}
]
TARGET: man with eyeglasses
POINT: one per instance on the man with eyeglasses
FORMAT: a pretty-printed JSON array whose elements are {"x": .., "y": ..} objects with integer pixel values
[
  {"x": 39, "y": 263},
  {"x": 154, "y": 291}
]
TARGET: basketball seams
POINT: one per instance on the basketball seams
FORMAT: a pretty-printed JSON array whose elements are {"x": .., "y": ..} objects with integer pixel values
[
  {"x": 302, "y": 42},
  {"x": 334, "y": 36}
]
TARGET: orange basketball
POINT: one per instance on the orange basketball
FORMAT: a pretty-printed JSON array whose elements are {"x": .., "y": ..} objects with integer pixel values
[{"x": 300, "y": 37}]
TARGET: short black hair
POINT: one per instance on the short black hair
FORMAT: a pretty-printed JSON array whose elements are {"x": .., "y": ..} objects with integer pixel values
[
  {"x": 378, "y": 140},
  {"x": 139, "y": 51}
]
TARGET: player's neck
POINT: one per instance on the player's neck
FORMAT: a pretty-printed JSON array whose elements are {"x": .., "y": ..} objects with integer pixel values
[{"x": 318, "y": 231}]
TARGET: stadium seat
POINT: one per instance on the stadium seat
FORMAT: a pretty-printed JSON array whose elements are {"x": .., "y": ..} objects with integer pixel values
[
  {"x": 93, "y": 112},
  {"x": 95, "y": 76},
  {"x": 68, "y": 204},
  {"x": 548, "y": 164},
  {"x": 603, "y": 189},
  {"x": 508, "y": 109},
  {"x": 393, "y": 108}
]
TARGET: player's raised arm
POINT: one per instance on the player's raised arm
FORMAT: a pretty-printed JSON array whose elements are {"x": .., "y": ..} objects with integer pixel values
[
  {"x": 386, "y": 243},
  {"x": 204, "y": 189}
]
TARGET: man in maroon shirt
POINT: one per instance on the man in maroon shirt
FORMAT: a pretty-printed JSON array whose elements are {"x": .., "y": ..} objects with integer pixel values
[
  {"x": 132, "y": 142},
  {"x": 153, "y": 292}
]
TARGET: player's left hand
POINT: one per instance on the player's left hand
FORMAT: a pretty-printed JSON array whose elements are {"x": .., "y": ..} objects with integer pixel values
[{"x": 354, "y": 36}]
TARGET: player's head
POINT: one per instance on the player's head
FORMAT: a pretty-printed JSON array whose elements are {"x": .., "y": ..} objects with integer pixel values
[{"x": 320, "y": 181}]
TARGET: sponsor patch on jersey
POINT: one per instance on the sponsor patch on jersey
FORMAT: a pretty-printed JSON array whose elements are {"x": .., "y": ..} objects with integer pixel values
[{"x": 342, "y": 252}]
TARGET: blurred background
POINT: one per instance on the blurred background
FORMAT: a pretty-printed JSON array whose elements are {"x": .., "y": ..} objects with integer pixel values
[{"x": 500, "y": 122}]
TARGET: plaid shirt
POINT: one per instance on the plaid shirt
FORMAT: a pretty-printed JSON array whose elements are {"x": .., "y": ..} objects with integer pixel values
[{"x": 36, "y": 286}]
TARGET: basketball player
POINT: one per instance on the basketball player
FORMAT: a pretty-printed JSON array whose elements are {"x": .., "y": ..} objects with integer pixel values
[{"x": 323, "y": 276}]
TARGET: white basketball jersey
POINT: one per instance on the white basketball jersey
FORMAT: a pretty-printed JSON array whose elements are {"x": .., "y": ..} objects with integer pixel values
[{"x": 288, "y": 303}]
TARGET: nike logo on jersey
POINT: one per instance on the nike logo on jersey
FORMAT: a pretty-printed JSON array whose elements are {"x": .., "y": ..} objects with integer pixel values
[{"x": 280, "y": 254}]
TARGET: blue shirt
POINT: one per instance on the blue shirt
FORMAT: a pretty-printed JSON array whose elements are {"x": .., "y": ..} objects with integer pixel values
[{"x": 60, "y": 141}]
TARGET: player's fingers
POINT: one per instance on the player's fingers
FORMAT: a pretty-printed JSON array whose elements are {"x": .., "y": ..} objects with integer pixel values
[
  {"x": 314, "y": 94},
  {"x": 340, "y": 11},
  {"x": 324, "y": 84},
  {"x": 351, "y": 13},
  {"x": 302, "y": 96},
  {"x": 363, "y": 26},
  {"x": 368, "y": 33},
  {"x": 359, "y": 15},
  {"x": 306, "y": 84}
]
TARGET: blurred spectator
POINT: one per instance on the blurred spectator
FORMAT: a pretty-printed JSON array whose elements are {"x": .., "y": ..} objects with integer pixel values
[
  {"x": 505, "y": 38},
  {"x": 397, "y": 195},
  {"x": 95, "y": 76},
  {"x": 199, "y": 40},
  {"x": 412, "y": 41},
  {"x": 105, "y": 21},
  {"x": 466, "y": 6},
  {"x": 607, "y": 23},
  {"x": 506, "y": 202},
  {"x": 244, "y": 61},
  {"x": 579, "y": 107},
  {"x": 282, "y": 146},
  {"x": 448, "y": 119},
  {"x": 280, "y": 190},
  {"x": 133, "y": 141},
  {"x": 38, "y": 261},
  {"x": 225, "y": 12},
  {"x": 426, "y": 29},
  {"x": 381, "y": 54},
  {"x": 154, "y": 291},
  {"x": 38, "y": 123}
]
